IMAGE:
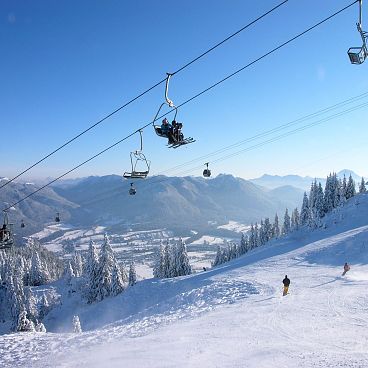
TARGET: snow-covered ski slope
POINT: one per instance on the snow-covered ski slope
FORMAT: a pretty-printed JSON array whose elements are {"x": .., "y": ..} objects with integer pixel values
[{"x": 231, "y": 316}]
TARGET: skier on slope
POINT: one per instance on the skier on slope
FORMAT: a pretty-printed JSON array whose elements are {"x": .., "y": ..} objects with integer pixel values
[
  {"x": 346, "y": 268},
  {"x": 286, "y": 282}
]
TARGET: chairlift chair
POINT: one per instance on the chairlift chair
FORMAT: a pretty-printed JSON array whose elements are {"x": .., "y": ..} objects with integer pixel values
[
  {"x": 132, "y": 190},
  {"x": 207, "y": 171},
  {"x": 178, "y": 140},
  {"x": 6, "y": 233},
  {"x": 357, "y": 55},
  {"x": 136, "y": 159},
  {"x": 57, "y": 218}
]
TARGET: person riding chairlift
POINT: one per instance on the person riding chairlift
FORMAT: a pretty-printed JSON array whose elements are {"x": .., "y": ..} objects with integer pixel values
[
  {"x": 167, "y": 130},
  {"x": 4, "y": 233},
  {"x": 178, "y": 135}
]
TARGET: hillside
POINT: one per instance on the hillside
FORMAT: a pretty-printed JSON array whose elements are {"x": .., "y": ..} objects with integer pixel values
[
  {"x": 37, "y": 210},
  {"x": 230, "y": 316}
]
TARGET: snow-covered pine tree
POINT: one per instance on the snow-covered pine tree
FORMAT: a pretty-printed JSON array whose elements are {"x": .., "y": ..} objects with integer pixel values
[
  {"x": 40, "y": 327},
  {"x": 319, "y": 208},
  {"x": 158, "y": 267},
  {"x": 218, "y": 258},
  {"x": 286, "y": 224},
  {"x": 262, "y": 234},
  {"x": 313, "y": 195},
  {"x": 44, "y": 306},
  {"x": 232, "y": 251},
  {"x": 91, "y": 271},
  {"x": 305, "y": 212},
  {"x": 276, "y": 227},
  {"x": 295, "y": 219},
  {"x": 31, "y": 304},
  {"x": 337, "y": 191},
  {"x": 25, "y": 324},
  {"x": 350, "y": 188},
  {"x": 38, "y": 275},
  {"x": 224, "y": 255},
  {"x": 132, "y": 274},
  {"x": 328, "y": 200},
  {"x": 91, "y": 263},
  {"x": 117, "y": 285},
  {"x": 343, "y": 189},
  {"x": 182, "y": 265},
  {"x": 243, "y": 244},
  {"x": 76, "y": 325},
  {"x": 173, "y": 261},
  {"x": 77, "y": 264},
  {"x": 69, "y": 273},
  {"x": 362, "y": 188},
  {"x": 256, "y": 236},
  {"x": 267, "y": 230},
  {"x": 124, "y": 274},
  {"x": 252, "y": 237},
  {"x": 167, "y": 261},
  {"x": 14, "y": 294},
  {"x": 107, "y": 263}
]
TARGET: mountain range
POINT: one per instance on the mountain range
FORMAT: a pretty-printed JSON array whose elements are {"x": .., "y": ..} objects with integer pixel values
[
  {"x": 164, "y": 202},
  {"x": 171, "y": 202},
  {"x": 301, "y": 182}
]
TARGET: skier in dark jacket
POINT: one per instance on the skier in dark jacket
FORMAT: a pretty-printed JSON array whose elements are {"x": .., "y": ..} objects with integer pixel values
[
  {"x": 286, "y": 282},
  {"x": 346, "y": 268}
]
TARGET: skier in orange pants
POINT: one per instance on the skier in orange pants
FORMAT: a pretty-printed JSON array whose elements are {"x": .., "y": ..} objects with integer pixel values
[{"x": 286, "y": 283}]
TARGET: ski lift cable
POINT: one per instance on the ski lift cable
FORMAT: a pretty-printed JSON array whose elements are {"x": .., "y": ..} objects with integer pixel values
[
  {"x": 143, "y": 93},
  {"x": 189, "y": 100},
  {"x": 119, "y": 189}
]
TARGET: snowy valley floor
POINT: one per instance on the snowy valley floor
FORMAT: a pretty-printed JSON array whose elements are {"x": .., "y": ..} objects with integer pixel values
[{"x": 231, "y": 316}]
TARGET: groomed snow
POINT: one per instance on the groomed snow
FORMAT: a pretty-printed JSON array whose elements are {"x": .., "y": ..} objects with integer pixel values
[
  {"x": 235, "y": 226},
  {"x": 209, "y": 240},
  {"x": 230, "y": 316}
]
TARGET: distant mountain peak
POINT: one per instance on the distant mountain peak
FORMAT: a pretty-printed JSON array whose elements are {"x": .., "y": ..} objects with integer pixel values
[{"x": 347, "y": 173}]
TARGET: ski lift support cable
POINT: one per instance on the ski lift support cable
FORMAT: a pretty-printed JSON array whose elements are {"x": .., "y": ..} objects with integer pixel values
[
  {"x": 189, "y": 100},
  {"x": 144, "y": 93}
]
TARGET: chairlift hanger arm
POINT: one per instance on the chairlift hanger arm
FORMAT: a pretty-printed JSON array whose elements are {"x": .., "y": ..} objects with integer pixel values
[
  {"x": 168, "y": 101},
  {"x": 141, "y": 136}
]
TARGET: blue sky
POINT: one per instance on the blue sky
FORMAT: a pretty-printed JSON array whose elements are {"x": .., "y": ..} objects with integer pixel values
[{"x": 66, "y": 64}]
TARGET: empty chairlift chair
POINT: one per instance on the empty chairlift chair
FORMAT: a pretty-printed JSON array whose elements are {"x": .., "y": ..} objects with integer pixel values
[
  {"x": 357, "y": 55},
  {"x": 139, "y": 163}
]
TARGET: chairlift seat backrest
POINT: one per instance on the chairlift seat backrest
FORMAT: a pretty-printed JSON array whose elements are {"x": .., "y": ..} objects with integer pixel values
[
  {"x": 357, "y": 55},
  {"x": 158, "y": 131}
]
